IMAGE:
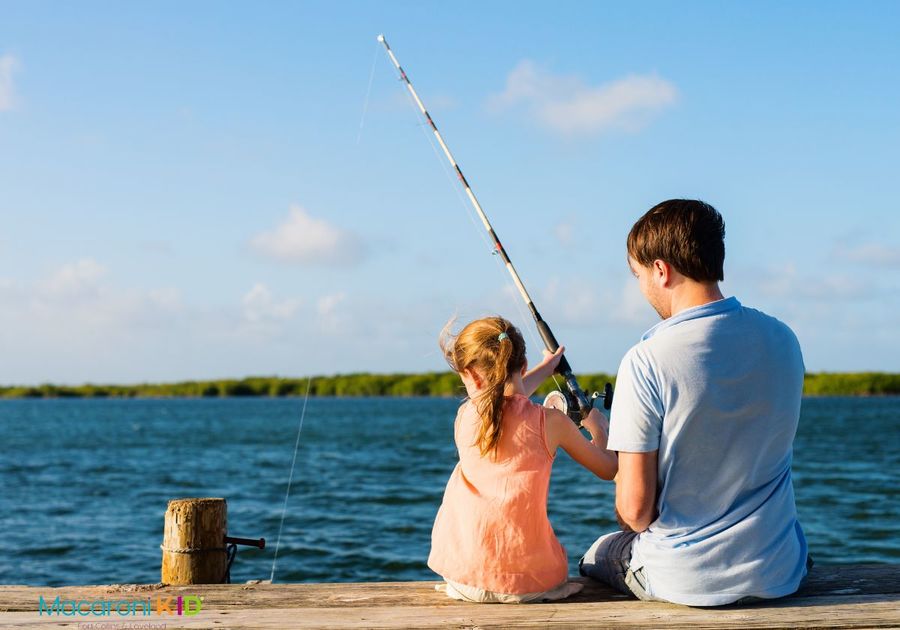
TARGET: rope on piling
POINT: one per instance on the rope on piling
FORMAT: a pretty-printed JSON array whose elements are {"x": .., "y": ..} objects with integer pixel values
[{"x": 192, "y": 549}]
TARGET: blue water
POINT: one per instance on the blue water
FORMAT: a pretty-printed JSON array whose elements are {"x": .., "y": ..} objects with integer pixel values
[{"x": 84, "y": 484}]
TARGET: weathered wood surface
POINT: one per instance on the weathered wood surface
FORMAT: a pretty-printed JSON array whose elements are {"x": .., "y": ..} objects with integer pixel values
[
  {"x": 866, "y": 596},
  {"x": 193, "y": 549}
]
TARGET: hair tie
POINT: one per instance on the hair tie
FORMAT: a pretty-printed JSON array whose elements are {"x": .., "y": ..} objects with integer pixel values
[{"x": 502, "y": 336}]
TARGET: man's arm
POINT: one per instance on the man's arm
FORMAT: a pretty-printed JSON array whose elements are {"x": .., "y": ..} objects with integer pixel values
[{"x": 636, "y": 490}]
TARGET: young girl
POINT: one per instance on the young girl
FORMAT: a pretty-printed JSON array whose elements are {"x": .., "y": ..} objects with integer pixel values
[{"x": 492, "y": 540}]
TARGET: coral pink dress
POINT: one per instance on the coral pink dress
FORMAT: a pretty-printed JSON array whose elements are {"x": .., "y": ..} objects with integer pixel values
[{"x": 492, "y": 530}]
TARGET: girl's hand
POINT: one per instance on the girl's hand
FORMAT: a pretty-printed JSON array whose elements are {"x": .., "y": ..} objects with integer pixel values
[
  {"x": 598, "y": 425},
  {"x": 552, "y": 359},
  {"x": 542, "y": 371}
]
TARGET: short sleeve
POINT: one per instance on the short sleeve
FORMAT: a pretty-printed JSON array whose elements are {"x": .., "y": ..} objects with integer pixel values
[{"x": 635, "y": 423}]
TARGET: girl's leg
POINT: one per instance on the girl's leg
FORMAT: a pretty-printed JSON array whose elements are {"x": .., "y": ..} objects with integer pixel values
[
  {"x": 562, "y": 591},
  {"x": 466, "y": 593}
]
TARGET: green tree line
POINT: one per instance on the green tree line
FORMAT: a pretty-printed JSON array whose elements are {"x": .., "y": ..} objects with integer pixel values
[{"x": 424, "y": 384}]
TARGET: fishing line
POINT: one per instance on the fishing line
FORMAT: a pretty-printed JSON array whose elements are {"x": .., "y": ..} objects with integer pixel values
[
  {"x": 290, "y": 478},
  {"x": 473, "y": 221},
  {"x": 362, "y": 118},
  {"x": 481, "y": 234},
  {"x": 574, "y": 400},
  {"x": 459, "y": 196}
]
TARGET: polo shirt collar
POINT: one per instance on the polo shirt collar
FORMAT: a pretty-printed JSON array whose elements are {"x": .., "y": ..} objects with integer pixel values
[{"x": 695, "y": 312}]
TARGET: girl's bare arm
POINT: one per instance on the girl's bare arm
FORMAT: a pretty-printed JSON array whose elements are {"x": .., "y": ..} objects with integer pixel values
[
  {"x": 592, "y": 454},
  {"x": 542, "y": 371}
]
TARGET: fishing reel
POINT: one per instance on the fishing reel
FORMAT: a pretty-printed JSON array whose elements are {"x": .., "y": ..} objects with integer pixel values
[
  {"x": 578, "y": 405},
  {"x": 572, "y": 401}
]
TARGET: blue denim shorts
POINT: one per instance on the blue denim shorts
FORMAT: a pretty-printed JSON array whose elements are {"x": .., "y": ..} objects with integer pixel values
[{"x": 608, "y": 561}]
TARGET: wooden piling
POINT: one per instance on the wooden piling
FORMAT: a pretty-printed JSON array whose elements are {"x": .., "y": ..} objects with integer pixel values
[{"x": 193, "y": 548}]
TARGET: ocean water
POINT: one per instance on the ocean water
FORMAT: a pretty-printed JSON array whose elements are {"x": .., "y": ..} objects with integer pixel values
[{"x": 84, "y": 485}]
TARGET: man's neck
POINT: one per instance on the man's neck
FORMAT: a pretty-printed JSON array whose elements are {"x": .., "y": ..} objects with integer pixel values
[{"x": 693, "y": 294}]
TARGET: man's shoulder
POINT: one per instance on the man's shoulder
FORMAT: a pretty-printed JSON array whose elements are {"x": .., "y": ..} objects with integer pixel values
[
  {"x": 768, "y": 324},
  {"x": 639, "y": 364},
  {"x": 744, "y": 323},
  {"x": 639, "y": 356}
]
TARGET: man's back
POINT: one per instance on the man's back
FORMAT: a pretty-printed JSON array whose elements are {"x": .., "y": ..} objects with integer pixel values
[{"x": 716, "y": 389}]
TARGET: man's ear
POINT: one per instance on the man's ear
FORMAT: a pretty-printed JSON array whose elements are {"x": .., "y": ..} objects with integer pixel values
[{"x": 662, "y": 272}]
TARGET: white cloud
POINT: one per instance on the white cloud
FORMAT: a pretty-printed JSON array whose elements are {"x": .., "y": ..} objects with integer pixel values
[
  {"x": 332, "y": 316},
  {"x": 307, "y": 240},
  {"x": 567, "y": 105},
  {"x": 260, "y": 306},
  {"x": 76, "y": 279},
  {"x": 632, "y": 306},
  {"x": 328, "y": 304},
  {"x": 585, "y": 302},
  {"x": 8, "y": 65},
  {"x": 786, "y": 281},
  {"x": 876, "y": 254},
  {"x": 75, "y": 312}
]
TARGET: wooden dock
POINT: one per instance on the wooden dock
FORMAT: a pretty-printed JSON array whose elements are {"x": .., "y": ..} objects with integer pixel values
[{"x": 863, "y": 596}]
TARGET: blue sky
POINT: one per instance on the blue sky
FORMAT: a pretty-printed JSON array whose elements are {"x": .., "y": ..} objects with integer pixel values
[{"x": 191, "y": 190}]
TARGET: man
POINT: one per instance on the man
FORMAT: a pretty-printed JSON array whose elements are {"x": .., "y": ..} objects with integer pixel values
[{"x": 703, "y": 419}]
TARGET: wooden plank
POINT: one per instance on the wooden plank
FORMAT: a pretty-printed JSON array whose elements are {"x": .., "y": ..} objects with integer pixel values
[
  {"x": 828, "y": 580},
  {"x": 835, "y": 597},
  {"x": 870, "y": 611}
]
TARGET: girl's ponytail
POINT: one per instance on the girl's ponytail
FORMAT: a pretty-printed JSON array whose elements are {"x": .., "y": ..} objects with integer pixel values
[{"x": 495, "y": 349}]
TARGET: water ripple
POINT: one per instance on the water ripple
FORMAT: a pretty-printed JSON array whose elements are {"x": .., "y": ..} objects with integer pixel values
[{"x": 363, "y": 501}]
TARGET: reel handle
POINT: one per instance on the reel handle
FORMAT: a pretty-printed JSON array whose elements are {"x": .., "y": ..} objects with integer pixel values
[
  {"x": 577, "y": 403},
  {"x": 565, "y": 402},
  {"x": 607, "y": 396}
]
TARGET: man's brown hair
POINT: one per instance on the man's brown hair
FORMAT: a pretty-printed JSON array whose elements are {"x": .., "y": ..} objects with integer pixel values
[{"x": 686, "y": 233}]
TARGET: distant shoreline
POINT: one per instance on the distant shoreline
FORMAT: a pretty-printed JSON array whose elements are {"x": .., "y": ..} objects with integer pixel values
[{"x": 436, "y": 384}]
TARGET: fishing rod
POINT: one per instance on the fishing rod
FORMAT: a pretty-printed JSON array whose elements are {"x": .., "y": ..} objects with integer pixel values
[{"x": 574, "y": 402}]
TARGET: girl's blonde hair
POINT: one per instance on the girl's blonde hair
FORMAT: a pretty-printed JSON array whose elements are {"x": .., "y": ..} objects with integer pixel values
[{"x": 495, "y": 349}]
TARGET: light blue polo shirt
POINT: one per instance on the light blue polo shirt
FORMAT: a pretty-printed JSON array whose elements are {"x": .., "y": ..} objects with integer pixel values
[{"x": 716, "y": 389}]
